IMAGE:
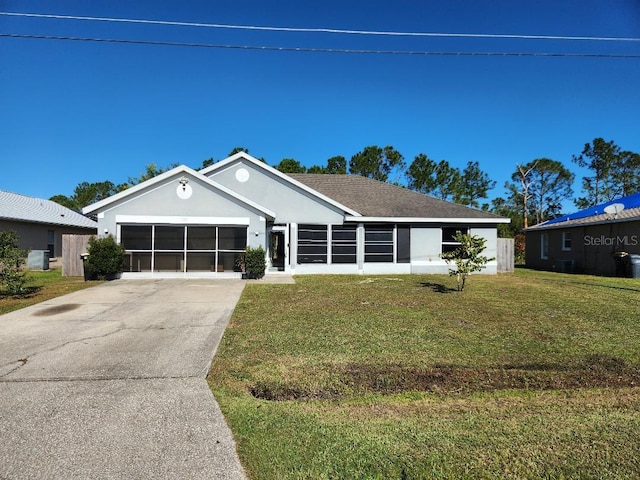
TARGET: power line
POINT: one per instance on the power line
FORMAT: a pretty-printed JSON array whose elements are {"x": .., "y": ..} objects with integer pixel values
[
  {"x": 322, "y": 50},
  {"x": 326, "y": 30}
]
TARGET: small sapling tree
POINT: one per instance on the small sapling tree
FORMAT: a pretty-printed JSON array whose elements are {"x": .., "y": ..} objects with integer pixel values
[
  {"x": 12, "y": 275},
  {"x": 466, "y": 257}
]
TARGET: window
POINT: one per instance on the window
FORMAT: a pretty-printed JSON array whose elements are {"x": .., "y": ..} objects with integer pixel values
[
  {"x": 544, "y": 246},
  {"x": 51, "y": 243},
  {"x": 448, "y": 242},
  {"x": 343, "y": 243},
  {"x": 378, "y": 243},
  {"x": 312, "y": 244},
  {"x": 566, "y": 241}
]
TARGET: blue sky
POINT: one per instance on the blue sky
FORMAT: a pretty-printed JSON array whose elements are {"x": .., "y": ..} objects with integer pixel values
[{"x": 87, "y": 111}]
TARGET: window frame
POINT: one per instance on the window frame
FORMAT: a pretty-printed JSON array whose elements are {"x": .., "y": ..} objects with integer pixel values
[
  {"x": 544, "y": 246},
  {"x": 313, "y": 258},
  {"x": 342, "y": 243},
  {"x": 566, "y": 241},
  {"x": 447, "y": 244},
  {"x": 371, "y": 245}
]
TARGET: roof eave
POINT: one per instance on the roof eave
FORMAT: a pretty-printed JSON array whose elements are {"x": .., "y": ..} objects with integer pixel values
[
  {"x": 570, "y": 224},
  {"x": 461, "y": 220},
  {"x": 43, "y": 222}
]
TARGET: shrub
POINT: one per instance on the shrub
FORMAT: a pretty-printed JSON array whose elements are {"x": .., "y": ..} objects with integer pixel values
[
  {"x": 255, "y": 262},
  {"x": 106, "y": 258},
  {"x": 13, "y": 278}
]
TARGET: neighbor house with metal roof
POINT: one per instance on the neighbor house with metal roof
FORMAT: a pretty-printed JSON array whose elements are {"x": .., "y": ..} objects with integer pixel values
[
  {"x": 41, "y": 223},
  {"x": 597, "y": 240},
  {"x": 197, "y": 223}
]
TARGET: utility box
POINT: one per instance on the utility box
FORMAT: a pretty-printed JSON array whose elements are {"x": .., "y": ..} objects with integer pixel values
[
  {"x": 38, "y": 260},
  {"x": 634, "y": 265}
]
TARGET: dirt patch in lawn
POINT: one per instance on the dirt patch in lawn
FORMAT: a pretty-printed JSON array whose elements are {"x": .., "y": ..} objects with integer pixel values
[{"x": 594, "y": 371}]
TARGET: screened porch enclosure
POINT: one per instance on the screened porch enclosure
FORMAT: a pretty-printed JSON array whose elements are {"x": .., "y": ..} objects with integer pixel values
[{"x": 182, "y": 248}]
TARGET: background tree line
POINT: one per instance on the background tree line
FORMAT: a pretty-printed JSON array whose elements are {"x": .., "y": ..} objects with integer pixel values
[{"x": 534, "y": 194}]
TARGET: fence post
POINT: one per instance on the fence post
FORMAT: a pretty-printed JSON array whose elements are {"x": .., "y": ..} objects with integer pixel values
[
  {"x": 72, "y": 247},
  {"x": 505, "y": 255}
]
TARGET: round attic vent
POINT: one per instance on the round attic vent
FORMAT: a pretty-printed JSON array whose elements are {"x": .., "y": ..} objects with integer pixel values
[
  {"x": 184, "y": 191},
  {"x": 242, "y": 175}
]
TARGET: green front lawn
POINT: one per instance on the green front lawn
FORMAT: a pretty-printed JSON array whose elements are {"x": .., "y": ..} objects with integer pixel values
[{"x": 524, "y": 375}]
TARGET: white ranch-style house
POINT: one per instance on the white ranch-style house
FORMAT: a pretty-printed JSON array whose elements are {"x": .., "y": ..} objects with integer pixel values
[{"x": 197, "y": 223}]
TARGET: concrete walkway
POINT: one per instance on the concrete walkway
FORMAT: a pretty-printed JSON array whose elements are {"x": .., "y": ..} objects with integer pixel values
[{"x": 109, "y": 382}]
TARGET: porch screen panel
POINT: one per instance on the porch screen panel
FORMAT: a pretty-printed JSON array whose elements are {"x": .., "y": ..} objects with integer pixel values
[
  {"x": 201, "y": 249},
  {"x": 169, "y": 238},
  {"x": 180, "y": 248},
  {"x": 136, "y": 237},
  {"x": 137, "y": 243},
  {"x": 343, "y": 243},
  {"x": 312, "y": 244},
  {"x": 232, "y": 238},
  {"x": 201, "y": 238},
  {"x": 378, "y": 243},
  {"x": 232, "y": 241}
]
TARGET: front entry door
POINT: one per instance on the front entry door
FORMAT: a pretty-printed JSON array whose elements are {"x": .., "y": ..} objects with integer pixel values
[{"x": 277, "y": 250}]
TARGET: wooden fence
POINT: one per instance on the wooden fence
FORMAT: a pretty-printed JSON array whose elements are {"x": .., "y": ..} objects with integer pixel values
[
  {"x": 505, "y": 255},
  {"x": 72, "y": 247}
]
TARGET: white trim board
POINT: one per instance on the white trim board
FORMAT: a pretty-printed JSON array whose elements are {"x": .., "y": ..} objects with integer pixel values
[{"x": 178, "y": 220}]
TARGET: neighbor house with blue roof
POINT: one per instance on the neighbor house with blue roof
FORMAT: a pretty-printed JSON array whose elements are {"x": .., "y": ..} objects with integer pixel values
[{"x": 597, "y": 240}]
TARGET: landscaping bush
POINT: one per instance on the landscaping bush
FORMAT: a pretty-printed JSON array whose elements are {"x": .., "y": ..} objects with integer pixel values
[
  {"x": 255, "y": 262},
  {"x": 106, "y": 258},
  {"x": 12, "y": 275}
]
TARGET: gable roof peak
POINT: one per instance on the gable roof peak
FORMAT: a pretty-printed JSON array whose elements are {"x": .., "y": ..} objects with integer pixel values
[{"x": 289, "y": 178}]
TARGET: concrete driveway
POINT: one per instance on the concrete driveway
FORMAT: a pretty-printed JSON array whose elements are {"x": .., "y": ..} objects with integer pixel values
[{"x": 109, "y": 382}]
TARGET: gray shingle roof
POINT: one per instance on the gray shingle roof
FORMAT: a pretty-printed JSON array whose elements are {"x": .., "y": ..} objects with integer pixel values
[
  {"x": 22, "y": 208},
  {"x": 372, "y": 198}
]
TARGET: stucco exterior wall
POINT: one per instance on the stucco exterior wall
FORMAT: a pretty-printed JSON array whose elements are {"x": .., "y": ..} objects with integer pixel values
[
  {"x": 291, "y": 204},
  {"x": 426, "y": 247}
]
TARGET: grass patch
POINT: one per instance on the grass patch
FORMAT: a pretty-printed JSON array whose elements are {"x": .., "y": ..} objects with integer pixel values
[
  {"x": 43, "y": 285},
  {"x": 524, "y": 375}
]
